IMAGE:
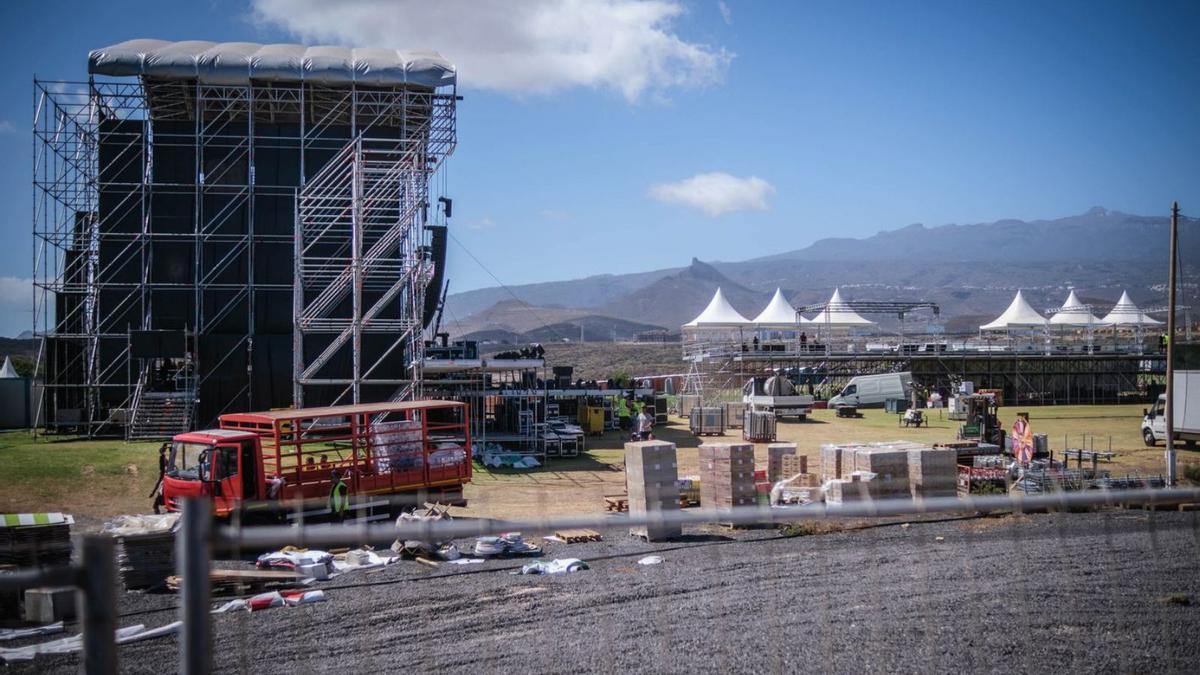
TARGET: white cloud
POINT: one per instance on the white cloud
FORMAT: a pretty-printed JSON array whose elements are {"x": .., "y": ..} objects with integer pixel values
[
  {"x": 528, "y": 46},
  {"x": 716, "y": 193},
  {"x": 484, "y": 223},
  {"x": 6, "y": 127},
  {"x": 726, "y": 13}
]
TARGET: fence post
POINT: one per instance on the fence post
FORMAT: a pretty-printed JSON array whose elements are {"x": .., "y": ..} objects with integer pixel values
[
  {"x": 193, "y": 553},
  {"x": 98, "y": 604}
]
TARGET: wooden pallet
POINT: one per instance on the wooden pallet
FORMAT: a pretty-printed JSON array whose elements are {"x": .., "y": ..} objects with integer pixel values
[
  {"x": 618, "y": 503},
  {"x": 237, "y": 581},
  {"x": 578, "y": 535}
]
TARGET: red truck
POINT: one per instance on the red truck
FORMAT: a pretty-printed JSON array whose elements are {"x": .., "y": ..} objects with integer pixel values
[{"x": 265, "y": 464}]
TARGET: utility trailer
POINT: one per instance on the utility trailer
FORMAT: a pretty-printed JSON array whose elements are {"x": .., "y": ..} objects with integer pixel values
[{"x": 266, "y": 464}]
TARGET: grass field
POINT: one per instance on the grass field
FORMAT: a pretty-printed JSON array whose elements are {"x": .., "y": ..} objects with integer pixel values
[{"x": 97, "y": 479}]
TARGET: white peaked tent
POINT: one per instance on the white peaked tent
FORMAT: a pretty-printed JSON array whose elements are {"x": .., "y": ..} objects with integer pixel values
[
  {"x": 1073, "y": 313},
  {"x": 1018, "y": 315},
  {"x": 1125, "y": 313},
  {"x": 718, "y": 314},
  {"x": 8, "y": 372},
  {"x": 836, "y": 314},
  {"x": 778, "y": 313}
]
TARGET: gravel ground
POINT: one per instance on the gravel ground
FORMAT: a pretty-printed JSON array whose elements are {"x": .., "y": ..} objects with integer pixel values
[{"x": 1112, "y": 591}]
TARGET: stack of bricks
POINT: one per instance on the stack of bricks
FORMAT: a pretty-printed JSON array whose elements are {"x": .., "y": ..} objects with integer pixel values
[
  {"x": 651, "y": 480},
  {"x": 890, "y": 466},
  {"x": 776, "y": 454},
  {"x": 836, "y": 460},
  {"x": 933, "y": 472},
  {"x": 727, "y": 475},
  {"x": 851, "y": 489}
]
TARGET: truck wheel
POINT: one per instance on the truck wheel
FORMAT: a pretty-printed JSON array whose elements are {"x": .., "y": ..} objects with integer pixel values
[
  {"x": 1190, "y": 444},
  {"x": 1148, "y": 437}
]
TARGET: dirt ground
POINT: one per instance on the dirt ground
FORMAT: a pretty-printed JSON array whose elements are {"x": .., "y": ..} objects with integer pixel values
[
  {"x": 578, "y": 485},
  {"x": 98, "y": 479}
]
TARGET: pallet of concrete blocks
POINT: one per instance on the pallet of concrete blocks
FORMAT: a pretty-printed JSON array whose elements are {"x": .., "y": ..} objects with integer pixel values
[
  {"x": 651, "y": 481},
  {"x": 890, "y": 466},
  {"x": 777, "y": 455},
  {"x": 856, "y": 488},
  {"x": 933, "y": 472},
  {"x": 758, "y": 426},
  {"x": 707, "y": 420},
  {"x": 727, "y": 476},
  {"x": 790, "y": 465},
  {"x": 836, "y": 460}
]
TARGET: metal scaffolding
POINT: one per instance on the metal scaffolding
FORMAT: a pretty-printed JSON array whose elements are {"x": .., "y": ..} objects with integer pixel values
[{"x": 279, "y": 229}]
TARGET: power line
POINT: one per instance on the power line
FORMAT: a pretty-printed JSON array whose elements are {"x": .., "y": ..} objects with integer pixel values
[{"x": 524, "y": 304}]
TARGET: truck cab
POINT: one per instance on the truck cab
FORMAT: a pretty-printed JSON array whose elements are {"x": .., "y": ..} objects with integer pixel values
[{"x": 221, "y": 465}]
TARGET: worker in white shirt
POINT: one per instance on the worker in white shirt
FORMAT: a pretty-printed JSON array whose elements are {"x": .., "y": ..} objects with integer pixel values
[{"x": 644, "y": 424}]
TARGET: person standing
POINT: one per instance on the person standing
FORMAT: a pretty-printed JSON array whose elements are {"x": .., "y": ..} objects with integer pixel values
[
  {"x": 157, "y": 492},
  {"x": 339, "y": 497},
  {"x": 644, "y": 425}
]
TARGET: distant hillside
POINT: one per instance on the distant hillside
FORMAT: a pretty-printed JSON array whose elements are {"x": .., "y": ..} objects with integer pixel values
[
  {"x": 969, "y": 270},
  {"x": 1097, "y": 235},
  {"x": 677, "y": 298}
]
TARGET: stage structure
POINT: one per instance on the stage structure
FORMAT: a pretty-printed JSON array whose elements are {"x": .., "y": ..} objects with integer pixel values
[{"x": 233, "y": 226}]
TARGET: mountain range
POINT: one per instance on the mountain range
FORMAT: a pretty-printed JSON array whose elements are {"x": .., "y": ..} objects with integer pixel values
[{"x": 970, "y": 271}]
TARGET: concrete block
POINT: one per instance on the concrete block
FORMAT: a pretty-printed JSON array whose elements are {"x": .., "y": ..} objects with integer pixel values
[{"x": 47, "y": 605}]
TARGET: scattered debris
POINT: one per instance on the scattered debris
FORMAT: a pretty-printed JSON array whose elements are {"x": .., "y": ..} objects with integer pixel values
[
  {"x": 507, "y": 544},
  {"x": 465, "y": 561},
  {"x": 74, "y": 643},
  {"x": 556, "y": 566},
  {"x": 651, "y": 560},
  {"x": 291, "y": 558},
  {"x": 939, "y": 539},
  {"x": 21, "y": 633},
  {"x": 1182, "y": 599}
]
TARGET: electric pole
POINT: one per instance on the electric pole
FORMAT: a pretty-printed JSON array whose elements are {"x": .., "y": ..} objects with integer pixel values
[{"x": 1170, "y": 411}]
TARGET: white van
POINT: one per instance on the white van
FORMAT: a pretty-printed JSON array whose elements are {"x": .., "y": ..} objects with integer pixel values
[{"x": 872, "y": 390}]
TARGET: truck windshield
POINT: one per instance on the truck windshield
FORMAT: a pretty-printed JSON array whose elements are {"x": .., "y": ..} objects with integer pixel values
[{"x": 190, "y": 461}]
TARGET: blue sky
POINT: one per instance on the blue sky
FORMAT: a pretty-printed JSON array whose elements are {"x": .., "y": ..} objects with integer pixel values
[{"x": 829, "y": 119}]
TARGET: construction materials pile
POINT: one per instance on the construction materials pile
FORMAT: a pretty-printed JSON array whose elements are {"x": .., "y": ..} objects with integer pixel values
[
  {"x": 651, "y": 481},
  {"x": 776, "y": 452},
  {"x": 704, "y": 420},
  {"x": 145, "y": 548},
  {"x": 35, "y": 539},
  {"x": 758, "y": 426},
  {"x": 895, "y": 470},
  {"x": 727, "y": 475}
]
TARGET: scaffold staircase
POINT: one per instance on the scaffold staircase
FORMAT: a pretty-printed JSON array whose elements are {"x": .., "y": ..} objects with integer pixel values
[
  {"x": 160, "y": 414},
  {"x": 360, "y": 266}
]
